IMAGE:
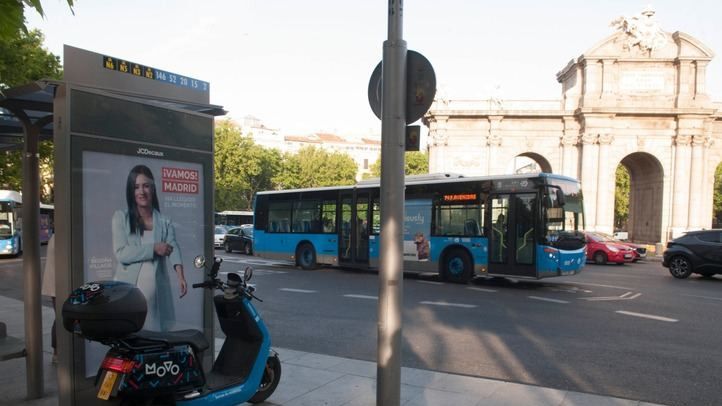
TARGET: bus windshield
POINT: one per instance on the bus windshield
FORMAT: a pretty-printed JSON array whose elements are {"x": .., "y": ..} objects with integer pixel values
[
  {"x": 6, "y": 220},
  {"x": 563, "y": 215}
]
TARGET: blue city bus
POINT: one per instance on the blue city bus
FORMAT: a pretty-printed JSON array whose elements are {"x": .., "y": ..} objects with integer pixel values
[
  {"x": 519, "y": 226},
  {"x": 11, "y": 229}
]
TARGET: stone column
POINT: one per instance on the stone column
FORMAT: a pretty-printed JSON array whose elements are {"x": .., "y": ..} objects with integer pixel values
[
  {"x": 569, "y": 141},
  {"x": 696, "y": 186},
  {"x": 493, "y": 143},
  {"x": 438, "y": 140},
  {"x": 605, "y": 183},
  {"x": 680, "y": 191},
  {"x": 590, "y": 167},
  {"x": 684, "y": 75}
]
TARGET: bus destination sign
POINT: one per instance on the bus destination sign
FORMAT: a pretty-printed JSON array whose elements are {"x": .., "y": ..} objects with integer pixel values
[{"x": 147, "y": 72}]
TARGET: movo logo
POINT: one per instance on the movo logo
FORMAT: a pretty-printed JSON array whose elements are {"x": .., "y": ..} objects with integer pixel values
[
  {"x": 164, "y": 368},
  {"x": 146, "y": 151}
]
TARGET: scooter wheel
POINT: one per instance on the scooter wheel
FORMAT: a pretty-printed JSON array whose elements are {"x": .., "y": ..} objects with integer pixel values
[{"x": 269, "y": 381}]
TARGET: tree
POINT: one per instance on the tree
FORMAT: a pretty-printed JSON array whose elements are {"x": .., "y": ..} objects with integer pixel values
[
  {"x": 416, "y": 163},
  {"x": 242, "y": 168},
  {"x": 717, "y": 198},
  {"x": 22, "y": 60},
  {"x": 12, "y": 16},
  {"x": 621, "y": 198},
  {"x": 315, "y": 167}
]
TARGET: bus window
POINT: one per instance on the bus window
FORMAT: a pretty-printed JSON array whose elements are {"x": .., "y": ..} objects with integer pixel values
[
  {"x": 459, "y": 219},
  {"x": 279, "y": 216},
  {"x": 328, "y": 216}
]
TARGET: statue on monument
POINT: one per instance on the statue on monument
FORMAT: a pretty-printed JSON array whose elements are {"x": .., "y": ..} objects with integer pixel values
[{"x": 643, "y": 30}]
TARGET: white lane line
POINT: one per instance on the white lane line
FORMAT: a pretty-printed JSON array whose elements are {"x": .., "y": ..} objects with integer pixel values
[
  {"x": 362, "y": 297},
  {"x": 647, "y": 316},
  {"x": 483, "y": 290},
  {"x": 704, "y": 297},
  {"x": 432, "y": 282},
  {"x": 467, "y": 306},
  {"x": 593, "y": 284},
  {"x": 298, "y": 290},
  {"x": 546, "y": 299},
  {"x": 608, "y": 298}
]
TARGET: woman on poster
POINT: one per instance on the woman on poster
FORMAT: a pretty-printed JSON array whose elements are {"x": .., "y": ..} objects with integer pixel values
[{"x": 144, "y": 241}]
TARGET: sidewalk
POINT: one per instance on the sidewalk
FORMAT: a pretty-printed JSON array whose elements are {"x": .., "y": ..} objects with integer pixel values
[{"x": 314, "y": 379}]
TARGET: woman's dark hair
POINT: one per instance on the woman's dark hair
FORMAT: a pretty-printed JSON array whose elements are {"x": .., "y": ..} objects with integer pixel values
[{"x": 133, "y": 215}]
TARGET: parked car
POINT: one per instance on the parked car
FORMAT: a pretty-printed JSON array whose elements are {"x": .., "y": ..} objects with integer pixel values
[
  {"x": 240, "y": 239},
  {"x": 694, "y": 252},
  {"x": 602, "y": 248},
  {"x": 219, "y": 236},
  {"x": 640, "y": 251}
]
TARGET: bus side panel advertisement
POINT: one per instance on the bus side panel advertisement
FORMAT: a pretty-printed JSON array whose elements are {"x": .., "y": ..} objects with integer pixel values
[
  {"x": 417, "y": 228},
  {"x": 154, "y": 252}
]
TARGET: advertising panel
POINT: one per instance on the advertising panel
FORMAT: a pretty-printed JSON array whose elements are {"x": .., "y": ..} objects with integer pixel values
[
  {"x": 142, "y": 224},
  {"x": 417, "y": 228}
]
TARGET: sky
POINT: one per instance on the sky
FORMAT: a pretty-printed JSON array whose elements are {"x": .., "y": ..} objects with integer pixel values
[{"x": 304, "y": 66}]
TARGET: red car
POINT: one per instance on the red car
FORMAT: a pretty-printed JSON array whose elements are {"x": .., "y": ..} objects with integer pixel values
[
  {"x": 640, "y": 251},
  {"x": 602, "y": 248}
]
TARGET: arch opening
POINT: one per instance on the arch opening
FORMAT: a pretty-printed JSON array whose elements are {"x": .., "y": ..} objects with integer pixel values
[
  {"x": 528, "y": 162},
  {"x": 644, "y": 191},
  {"x": 717, "y": 198}
]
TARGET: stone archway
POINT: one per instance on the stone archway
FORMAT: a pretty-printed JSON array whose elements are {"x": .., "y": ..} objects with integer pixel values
[
  {"x": 529, "y": 162},
  {"x": 646, "y": 197}
]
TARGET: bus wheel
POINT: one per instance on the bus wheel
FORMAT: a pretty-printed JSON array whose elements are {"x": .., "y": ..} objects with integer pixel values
[
  {"x": 306, "y": 256},
  {"x": 457, "y": 266}
]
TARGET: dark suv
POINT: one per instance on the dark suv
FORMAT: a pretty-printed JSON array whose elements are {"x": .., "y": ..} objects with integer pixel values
[{"x": 695, "y": 252}]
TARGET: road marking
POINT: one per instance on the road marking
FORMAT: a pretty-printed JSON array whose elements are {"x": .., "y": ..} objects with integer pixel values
[
  {"x": 625, "y": 296},
  {"x": 362, "y": 297},
  {"x": 483, "y": 289},
  {"x": 467, "y": 306},
  {"x": 546, "y": 299},
  {"x": 594, "y": 284},
  {"x": 298, "y": 290},
  {"x": 647, "y": 316},
  {"x": 432, "y": 282}
]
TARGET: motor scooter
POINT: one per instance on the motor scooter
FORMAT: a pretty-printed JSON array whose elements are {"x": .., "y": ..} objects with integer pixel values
[{"x": 145, "y": 367}]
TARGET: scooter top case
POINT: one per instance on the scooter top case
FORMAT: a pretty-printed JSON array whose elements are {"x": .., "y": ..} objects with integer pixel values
[{"x": 105, "y": 309}]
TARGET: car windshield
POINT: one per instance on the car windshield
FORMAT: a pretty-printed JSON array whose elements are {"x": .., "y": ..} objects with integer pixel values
[
  {"x": 601, "y": 237},
  {"x": 220, "y": 230}
]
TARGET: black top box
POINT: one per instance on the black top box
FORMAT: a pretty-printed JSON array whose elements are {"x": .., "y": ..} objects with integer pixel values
[{"x": 105, "y": 309}]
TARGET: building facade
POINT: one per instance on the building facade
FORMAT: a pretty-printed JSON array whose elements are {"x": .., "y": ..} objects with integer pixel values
[
  {"x": 637, "y": 98},
  {"x": 365, "y": 151}
]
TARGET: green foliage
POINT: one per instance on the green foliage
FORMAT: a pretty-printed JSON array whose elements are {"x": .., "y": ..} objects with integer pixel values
[
  {"x": 717, "y": 198},
  {"x": 416, "y": 163},
  {"x": 315, "y": 167},
  {"x": 12, "y": 18},
  {"x": 242, "y": 168},
  {"x": 23, "y": 60},
  {"x": 621, "y": 198}
]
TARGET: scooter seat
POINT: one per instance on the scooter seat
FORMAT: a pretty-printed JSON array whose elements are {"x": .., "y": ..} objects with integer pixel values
[{"x": 194, "y": 338}]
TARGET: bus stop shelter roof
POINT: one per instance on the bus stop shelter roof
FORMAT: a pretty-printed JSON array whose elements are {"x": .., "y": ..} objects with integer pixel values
[{"x": 35, "y": 101}]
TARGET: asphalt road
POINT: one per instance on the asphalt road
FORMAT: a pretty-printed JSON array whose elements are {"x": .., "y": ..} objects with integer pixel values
[{"x": 628, "y": 331}]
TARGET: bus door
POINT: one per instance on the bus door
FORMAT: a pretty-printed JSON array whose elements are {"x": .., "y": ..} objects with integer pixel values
[
  {"x": 354, "y": 228},
  {"x": 512, "y": 237}
]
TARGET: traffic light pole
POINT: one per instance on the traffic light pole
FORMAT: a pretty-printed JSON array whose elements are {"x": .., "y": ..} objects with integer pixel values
[{"x": 393, "y": 130}]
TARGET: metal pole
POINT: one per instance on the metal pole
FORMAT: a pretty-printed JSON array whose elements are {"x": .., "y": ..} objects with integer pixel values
[
  {"x": 393, "y": 125},
  {"x": 31, "y": 263}
]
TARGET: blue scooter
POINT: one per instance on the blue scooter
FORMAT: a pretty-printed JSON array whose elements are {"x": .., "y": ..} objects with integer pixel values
[{"x": 143, "y": 367}]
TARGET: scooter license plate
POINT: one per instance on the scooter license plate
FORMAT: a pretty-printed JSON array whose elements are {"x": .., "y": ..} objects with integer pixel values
[{"x": 106, "y": 388}]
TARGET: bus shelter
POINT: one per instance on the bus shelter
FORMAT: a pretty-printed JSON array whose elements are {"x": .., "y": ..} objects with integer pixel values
[{"x": 39, "y": 111}]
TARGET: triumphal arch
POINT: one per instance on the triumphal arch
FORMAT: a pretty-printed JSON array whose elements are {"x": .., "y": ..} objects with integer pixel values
[{"x": 637, "y": 98}]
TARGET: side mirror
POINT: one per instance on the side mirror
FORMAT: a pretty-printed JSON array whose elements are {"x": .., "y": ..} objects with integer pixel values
[
  {"x": 247, "y": 274},
  {"x": 560, "y": 197},
  {"x": 199, "y": 262}
]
